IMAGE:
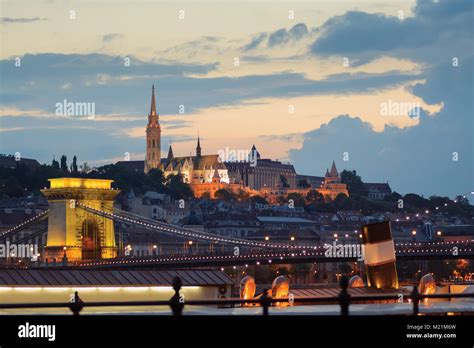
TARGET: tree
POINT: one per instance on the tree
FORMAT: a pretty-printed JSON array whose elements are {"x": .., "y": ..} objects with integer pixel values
[
  {"x": 64, "y": 163},
  {"x": 55, "y": 164},
  {"x": 74, "y": 165},
  {"x": 156, "y": 180},
  {"x": 314, "y": 196},
  {"x": 177, "y": 188},
  {"x": 224, "y": 195},
  {"x": 353, "y": 181},
  {"x": 297, "y": 199},
  {"x": 85, "y": 168},
  {"x": 13, "y": 188},
  {"x": 242, "y": 195},
  {"x": 259, "y": 200}
]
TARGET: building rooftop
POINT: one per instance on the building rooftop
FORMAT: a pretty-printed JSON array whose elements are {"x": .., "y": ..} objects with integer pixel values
[
  {"x": 284, "y": 219},
  {"x": 57, "y": 277}
]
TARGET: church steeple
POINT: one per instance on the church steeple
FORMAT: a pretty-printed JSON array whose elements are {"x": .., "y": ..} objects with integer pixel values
[
  {"x": 153, "y": 103},
  {"x": 198, "y": 148},
  {"x": 153, "y": 137},
  {"x": 170, "y": 152},
  {"x": 333, "y": 171}
]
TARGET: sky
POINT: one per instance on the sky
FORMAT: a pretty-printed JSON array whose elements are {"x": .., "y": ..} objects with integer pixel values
[{"x": 381, "y": 87}]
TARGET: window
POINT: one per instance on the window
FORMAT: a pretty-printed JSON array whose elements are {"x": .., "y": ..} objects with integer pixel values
[{"x": 153, "y": 142}]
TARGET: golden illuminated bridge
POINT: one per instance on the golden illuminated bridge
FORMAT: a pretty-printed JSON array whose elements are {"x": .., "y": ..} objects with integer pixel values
[{"x": 81, "y": 220}]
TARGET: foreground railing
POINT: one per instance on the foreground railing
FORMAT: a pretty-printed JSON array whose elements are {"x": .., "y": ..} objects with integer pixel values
[{"x": 177, "y": 303}]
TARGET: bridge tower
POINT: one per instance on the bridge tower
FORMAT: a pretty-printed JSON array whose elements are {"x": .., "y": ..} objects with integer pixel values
[{"x": 73, "y": 231}]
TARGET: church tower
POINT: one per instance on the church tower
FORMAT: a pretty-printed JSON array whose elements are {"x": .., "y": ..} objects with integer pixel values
[
  {"x": 153, "y": 137},
  {"x": 198, "y": 148}
]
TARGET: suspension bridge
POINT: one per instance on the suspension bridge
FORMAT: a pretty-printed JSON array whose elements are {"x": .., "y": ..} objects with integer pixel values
[{"x": 244, "y": 252}]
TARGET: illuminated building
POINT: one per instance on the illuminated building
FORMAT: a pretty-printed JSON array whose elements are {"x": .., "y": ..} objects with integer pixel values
[{"x": 73, "y": 232}]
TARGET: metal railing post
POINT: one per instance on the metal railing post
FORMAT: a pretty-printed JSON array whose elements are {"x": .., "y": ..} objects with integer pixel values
[
  {"x": 415, "y": 297},
  {"x": 344, "y": 296},
  {"x": 177, "y": 302},
  {"x": 77, "y": 305},
  {"x": 265, "y": 301}
]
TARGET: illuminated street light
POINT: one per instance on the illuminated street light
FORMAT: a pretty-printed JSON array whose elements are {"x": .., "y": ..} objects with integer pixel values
[
  {"x": 292, "y": 238},
  {"x": 267, "y": 238},
  {"x": 190, "y": 242},
  {"x": 439, "y": 233},
  {"x": 413, "y": 232},
  {"x": 335, "y": 235}
]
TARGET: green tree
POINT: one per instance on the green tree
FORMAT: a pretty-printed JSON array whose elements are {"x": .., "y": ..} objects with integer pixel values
[
  {"x": 353, "y": 181},
  {"x": 224, "y": 195},
  {"x": 74, "y": 165},
  {"x": 314, "y": 196},
  {"x": 177, "y": 188},
  {"x": 297, "y": 199},
  {"x": 259, "y": 199},
  {"x": 64, "y": 163},
  {"x": 55, "y": 164}
]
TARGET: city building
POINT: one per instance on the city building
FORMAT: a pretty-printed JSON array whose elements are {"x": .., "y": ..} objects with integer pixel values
[
  {"x": 259, "y": 173},
  {"x": 377, "y": 190}
]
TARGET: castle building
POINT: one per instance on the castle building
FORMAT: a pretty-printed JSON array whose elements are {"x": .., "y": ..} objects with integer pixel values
[
  {"x": 261, "y": 173},
  {"x": 332, "y": 185},
  {"x": 194, "y": 169}
]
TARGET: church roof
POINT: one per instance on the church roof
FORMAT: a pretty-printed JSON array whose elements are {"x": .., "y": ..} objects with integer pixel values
[
  {"x": 333, "y": 172},
  {"x": 204, "y": 162}
]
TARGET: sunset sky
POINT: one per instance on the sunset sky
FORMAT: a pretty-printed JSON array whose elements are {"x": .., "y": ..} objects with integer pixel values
[{"x": 311, "y": 79}]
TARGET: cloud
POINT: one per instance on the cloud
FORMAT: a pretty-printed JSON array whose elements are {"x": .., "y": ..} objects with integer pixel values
[
  {"x": 363, "y": 36},
  {"x": 8, "y": 20},
  {"x": 111, "y": 37},
  {"x": 418, "y": 159}
]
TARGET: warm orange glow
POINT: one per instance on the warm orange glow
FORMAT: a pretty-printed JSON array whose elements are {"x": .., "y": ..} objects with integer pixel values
[
  {"x": 80, "y": 183},
  {"x": 247, "y": 288}
]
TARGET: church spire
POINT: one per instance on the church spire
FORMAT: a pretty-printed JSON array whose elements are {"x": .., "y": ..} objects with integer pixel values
[
  {"x": 153, "y": 103},
  {"x": 170, "y": 152},
  {"x": 333, "y": 171},
  {"x": 198, "y": 148}
]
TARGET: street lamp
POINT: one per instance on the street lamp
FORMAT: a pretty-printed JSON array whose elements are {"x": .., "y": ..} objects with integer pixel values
[
  {"x": 267, "y": 238},
  {"x": 439, "y": 233}
]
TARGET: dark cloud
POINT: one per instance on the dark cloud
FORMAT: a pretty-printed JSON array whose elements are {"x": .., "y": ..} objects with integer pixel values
[
  {"x": 417, "y": 159},
  {"x": 360, "y": 35},
  {"x": 278, "y": 37}
]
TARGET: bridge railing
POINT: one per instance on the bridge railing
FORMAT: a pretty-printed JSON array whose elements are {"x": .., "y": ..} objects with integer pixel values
[{"x": 177, "y": 304}]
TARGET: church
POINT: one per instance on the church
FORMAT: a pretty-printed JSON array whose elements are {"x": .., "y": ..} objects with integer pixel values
[
  {"x": 208, "y": 173},
  {"x": 194, "y": 169}
]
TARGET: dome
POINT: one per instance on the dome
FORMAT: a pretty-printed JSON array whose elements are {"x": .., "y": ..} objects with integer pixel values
[
  {"x": 427, "y": 284},
  {"x": 356, "y": 282},
  {"x": 280, "y": 287},
  {"x": 247, "y": 288}
]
